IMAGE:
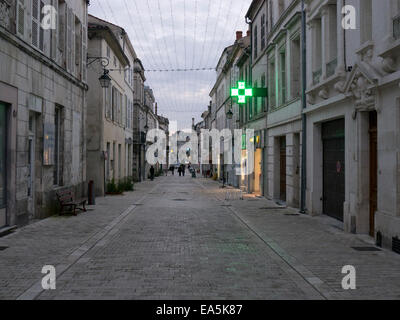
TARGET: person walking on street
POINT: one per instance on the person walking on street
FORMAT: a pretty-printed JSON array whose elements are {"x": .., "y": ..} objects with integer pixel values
[
  {"x": 180, "y": 171},
  {"x": 152, "y": 173}
]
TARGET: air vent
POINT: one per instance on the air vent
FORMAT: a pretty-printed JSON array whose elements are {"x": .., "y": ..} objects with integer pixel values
[
  {"x": 396, "y": 245},
  {"x": 179, "y": 200},
  {"x": 367, "y": 249}
]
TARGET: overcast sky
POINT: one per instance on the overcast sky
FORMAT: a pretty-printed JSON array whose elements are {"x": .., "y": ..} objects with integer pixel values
[{"x": 178, "y": 34}]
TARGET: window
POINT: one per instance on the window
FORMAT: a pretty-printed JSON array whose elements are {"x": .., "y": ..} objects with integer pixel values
[
  {"x": 271, "y": 82},
  {"x": 57, "y": 147},
  {"x": 282, "y": 58},
  {"x": 20, "y": 14},
  {"x": 263, "y": 32},
  {"x": 37, "y": 30},
  {"x": 255, "y": 42},
  {"x": 317, "y": 51},
  {"x": 366, "y": 20},
  {"x": 255, "y": 101},
  {"x": 114, "y": 104},
  {"x": 331, "y": 45},
  {"x": 295, "y": 67},
  {"x": 78, "y": 44},
  {"x": 70, "y": 39},
  {"x": 263, "y": 104},
  {"x": 84, "y": 52},
  {"x": 61, "y": 25}
]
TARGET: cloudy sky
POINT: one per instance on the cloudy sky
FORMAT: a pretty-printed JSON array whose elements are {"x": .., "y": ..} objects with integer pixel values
[{"x": 178, "y": 34}]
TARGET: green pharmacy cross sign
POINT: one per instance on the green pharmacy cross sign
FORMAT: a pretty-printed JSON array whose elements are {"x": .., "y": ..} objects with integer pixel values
[{"x": 241, "y": 92}]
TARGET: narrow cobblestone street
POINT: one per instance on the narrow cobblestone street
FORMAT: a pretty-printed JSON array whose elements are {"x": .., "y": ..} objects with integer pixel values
[{"x": 178, "y": 238}]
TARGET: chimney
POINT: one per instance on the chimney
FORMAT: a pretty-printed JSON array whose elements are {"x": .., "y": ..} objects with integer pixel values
[
  {"x": 156, "y": 109},
  {"x": 239, "y": 35},
  {"x": 209, "y": 107}
]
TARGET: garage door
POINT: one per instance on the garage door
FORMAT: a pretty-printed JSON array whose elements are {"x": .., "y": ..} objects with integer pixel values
[{"x": 333, "y": 168}]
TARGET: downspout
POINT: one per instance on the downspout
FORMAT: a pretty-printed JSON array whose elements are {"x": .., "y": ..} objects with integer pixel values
[
  {"x": 304, "y": 116},
  {"x": 344, "y": 43}
]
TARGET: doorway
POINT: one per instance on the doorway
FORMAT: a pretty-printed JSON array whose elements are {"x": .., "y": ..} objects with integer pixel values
[
  {"x": 3, "y": 165},
  {"x": 373, "y": 170},
  {"x": 282, "y": 170},
  {"x": 257, "y": 171},
  {"x": 31, "y": 165},
  {"x": 333, "y": 168}
]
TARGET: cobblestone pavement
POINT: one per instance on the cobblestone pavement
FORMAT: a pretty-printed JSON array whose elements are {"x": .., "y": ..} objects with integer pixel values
[{"x": 178, "y": 238}]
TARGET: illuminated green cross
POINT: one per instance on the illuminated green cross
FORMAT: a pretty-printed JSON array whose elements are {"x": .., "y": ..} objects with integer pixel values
[{"x": 241, "y": 92}]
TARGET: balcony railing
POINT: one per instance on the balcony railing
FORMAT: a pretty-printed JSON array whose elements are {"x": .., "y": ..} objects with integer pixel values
[
  {"x": 396, "y": 27},
  {"x": 331, "y": 67},
  {"x": 317, "y": 76}
]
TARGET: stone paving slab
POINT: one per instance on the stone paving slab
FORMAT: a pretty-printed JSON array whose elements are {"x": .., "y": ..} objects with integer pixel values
[
  {"x": 53, "y": 240},
  {"x": 177, "y": 238},
  {"x": 318, "y": 248}
]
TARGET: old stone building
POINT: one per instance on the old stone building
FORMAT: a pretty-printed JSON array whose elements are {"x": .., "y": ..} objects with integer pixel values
[
  {"x": 139, "y": 136},
  {"x": 109, "y": 115},
  {"x": 353, "y": 116},
  {"x": 42, "y": 105},
  {"x": 255, "y": 116},
  {"x": 284, "y": 124}
]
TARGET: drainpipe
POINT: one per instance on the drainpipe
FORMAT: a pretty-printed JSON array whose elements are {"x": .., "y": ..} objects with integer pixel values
[{"x": 304, "y": 116}]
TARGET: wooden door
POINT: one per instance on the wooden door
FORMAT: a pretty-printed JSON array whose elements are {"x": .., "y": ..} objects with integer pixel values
[
  {"x": 283, "y": 168},
  {"x": 373, "y": 170}
]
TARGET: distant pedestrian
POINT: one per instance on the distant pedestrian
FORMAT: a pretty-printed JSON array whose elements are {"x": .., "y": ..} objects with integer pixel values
[
  {"x": 152, "y": 171},
  {"x": 180, "y": 171},
  {"x": 183, "y": 169}
]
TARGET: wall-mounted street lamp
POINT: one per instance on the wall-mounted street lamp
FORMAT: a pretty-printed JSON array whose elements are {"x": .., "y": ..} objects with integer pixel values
[
  {"x": 229, "y": 114},
  {"x": 105, "y": 79}
]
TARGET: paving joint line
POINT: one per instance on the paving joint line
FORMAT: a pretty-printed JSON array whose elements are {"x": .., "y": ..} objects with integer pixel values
[
  {"x": 35, "y": 290},
  {"x": 311, "y": 281}
]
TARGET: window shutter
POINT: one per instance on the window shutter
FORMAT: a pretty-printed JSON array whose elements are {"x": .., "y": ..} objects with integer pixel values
[
  {"x": 41, "y": 30},
  {"x": 21, "y": 9},
  {"x": 72, "y": 16},
  {"x": 54, "y": 35},
  {"x": 69, "y": 38},
  {"x": 61, "y": 28},
  {"x": 84, "y": 52},
  {"x": 35, "y": 23}
]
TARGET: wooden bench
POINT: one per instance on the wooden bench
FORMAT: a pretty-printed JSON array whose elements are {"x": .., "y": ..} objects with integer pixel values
[{"x": 66, "y": 200}]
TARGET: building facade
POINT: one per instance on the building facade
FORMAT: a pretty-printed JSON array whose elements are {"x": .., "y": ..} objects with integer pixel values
[
  {"x": 42, "y": 106},
  {"x": 353, "y": 116},
  {"x": 107, "y": 117},
  {"x": 284, "y": 123}
]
